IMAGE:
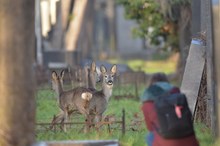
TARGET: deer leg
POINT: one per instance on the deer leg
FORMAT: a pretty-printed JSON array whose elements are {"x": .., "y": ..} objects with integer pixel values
[
  {"x": 56, "y": 119},
  {"x": 85, "y": 128},
  {"x": 65, "y": 120},
  {"x": 98, "y": 122},
  {"x": 89, "y": 123}
]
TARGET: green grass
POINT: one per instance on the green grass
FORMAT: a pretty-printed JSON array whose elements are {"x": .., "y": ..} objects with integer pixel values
[
  {"x": 217, "y": 143},
  {"x": 47, "y": 107},
  {"x": 204, "y": 135},
  {"x": 158, "y": 63},
  {"x": 153, "y": 66}
]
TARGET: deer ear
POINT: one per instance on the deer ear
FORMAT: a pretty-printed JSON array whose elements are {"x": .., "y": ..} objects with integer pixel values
[
  {"x": 103, "y": 69},
  {"x": 98, "y": 71},
  {"x": 54, "y": 75},
  {"x": 114, "y": 69},
  {"x": 62, "y": 73},
  {"x": 99, "y": 75},
  {"x": 93, "y": 66}
]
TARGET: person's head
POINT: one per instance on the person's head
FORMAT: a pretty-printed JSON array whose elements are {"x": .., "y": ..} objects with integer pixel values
[{"x": 158, "y": 77}]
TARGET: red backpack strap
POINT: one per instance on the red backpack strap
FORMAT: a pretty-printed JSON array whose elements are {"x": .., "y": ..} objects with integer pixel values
[{"x": 174, "y": 90}]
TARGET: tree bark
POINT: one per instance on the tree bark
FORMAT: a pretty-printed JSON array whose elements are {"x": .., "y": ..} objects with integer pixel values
[
  {"x": 38, "y": 33},
  {"x": 57, "y": 35},
  {"x": 17, "y": 106},
  {"x": 112, "y": 27},
  {"x": 65, "y": 14},
  {"x": 216, "y": 57},
  {"x": 65, "y": 10},
  {"x": 74, "y": 29},
  {"x": 210, "y": 67},
  {"x": 85, "y": 41},
  {"x": 184, "y": 30},
  {"x": 196, "y": 17},
  {"x": 73, "y": 32}
]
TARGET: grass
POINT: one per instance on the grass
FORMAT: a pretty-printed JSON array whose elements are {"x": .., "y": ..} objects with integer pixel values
[
  {"x": 153, "y": 66},
  {"x": 135, "y": 133},
  {"x": 217, "y": 143},
  {"x": 47, "y": 107},
  {"x": 158, "y": 63},
  {"x": 204, "y": 135}
]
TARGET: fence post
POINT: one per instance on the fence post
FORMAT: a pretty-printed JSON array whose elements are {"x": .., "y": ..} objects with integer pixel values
[
  {"x": 136, "y": 89},
  {"x": 123, "y": 122}
]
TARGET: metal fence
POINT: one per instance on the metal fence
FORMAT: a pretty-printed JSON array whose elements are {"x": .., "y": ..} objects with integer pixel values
[{"x": 127, "y": 85}]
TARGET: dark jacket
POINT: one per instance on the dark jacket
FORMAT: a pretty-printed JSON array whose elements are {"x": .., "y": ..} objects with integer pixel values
[{"x": 151, "y": 120}]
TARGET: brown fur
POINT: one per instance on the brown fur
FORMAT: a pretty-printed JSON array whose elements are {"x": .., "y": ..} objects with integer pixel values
[
  {"x": 98, "y": 104},
  {"x": 69, "y": 101}
]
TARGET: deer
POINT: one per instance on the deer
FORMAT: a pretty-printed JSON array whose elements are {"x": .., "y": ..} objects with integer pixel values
[
  {"x": 74, "y": 96},
  {"x": 86, "y": 76},
  {"x": 75, "y": 100},
  {"x": 98, "y": 104},
  {"x": 93, "y": 76}
]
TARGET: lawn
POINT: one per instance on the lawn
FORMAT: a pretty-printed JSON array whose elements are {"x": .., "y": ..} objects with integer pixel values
[
  {"x": 135, "y": 130},
  {"x": 166, "y": 63}
]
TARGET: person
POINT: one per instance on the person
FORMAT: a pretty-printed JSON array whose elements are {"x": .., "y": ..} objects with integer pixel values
[{"x": 153, "y": 138}]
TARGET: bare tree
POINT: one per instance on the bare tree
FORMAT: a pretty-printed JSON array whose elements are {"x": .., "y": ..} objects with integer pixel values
[{"x": 17, "y": 106}]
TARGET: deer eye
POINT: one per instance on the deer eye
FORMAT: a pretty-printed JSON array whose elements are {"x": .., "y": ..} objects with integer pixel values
[{"x": 106, "y": 76}]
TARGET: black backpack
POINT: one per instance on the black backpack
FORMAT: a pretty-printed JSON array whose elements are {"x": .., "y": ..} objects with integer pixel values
[{"x": 170, "y": 125}]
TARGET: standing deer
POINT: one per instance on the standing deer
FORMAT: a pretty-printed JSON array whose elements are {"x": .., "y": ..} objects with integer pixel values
[
  {"x": 75, "y": 100},
  {"x": 86, "y": 76},
  {"x": 99, "y": 102},
  {"x": 92, "y": 76}
]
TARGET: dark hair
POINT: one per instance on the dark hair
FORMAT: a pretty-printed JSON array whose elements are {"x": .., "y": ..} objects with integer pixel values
[{"x": 158, "y": 77}]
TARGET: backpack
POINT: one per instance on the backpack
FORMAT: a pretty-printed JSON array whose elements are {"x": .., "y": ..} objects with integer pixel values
[{"x": 174, "y": 115}]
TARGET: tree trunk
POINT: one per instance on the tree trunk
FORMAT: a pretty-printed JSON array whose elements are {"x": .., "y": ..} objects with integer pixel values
[
  {"x": 73, "y": 32},
  {"x": 65, "y": 10},
  {"x": 85, "y": 41},
  {"x": 112, "y": 26},
  {"x": 17, "y": 106},
  {"x": 216, "y": 55},
  {"x": 38, "y": 33},
  {"x": 210, "y": 67},
  {"x": 196, "y": 17},
  {"x": 184, "y": 30},
  {"x": 184, "y": 24},
  {"x": 57, "y": 35},
  {"x": 66, "y": 6},
  {"x": 74, "y": 29}
]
